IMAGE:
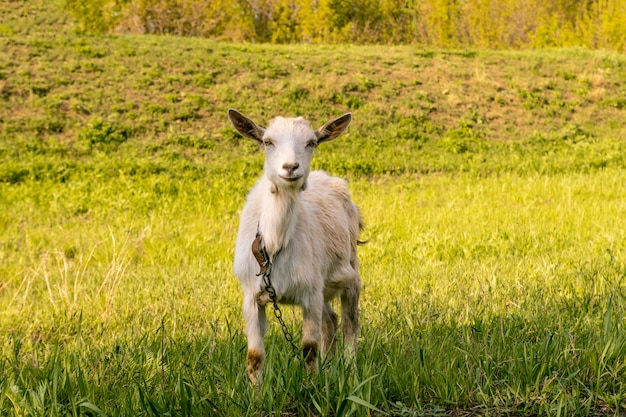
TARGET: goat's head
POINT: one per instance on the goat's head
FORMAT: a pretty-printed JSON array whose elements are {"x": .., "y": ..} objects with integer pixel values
[{"x": 289, "y": 144}]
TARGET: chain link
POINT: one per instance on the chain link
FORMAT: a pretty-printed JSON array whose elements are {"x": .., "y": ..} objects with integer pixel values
[
  {"x": 269, "y": 288},
  {"x": 265, "y": 262}
]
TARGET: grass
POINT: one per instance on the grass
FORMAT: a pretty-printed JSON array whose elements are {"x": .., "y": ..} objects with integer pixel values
[{"x": 491, "y": 184}]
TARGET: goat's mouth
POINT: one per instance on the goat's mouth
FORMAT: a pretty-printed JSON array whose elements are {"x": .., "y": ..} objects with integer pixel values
[{"x": 291, "y": 179}]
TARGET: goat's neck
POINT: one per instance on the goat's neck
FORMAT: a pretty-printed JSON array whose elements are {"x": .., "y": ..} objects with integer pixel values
[{"x": 279, "y": 215}]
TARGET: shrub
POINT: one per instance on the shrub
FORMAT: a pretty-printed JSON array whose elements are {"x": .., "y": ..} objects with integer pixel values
[{"x": 103, "y": 135}]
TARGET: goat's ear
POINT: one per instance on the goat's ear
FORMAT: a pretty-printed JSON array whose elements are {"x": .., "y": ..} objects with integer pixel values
[
  {"x": 246, "y": 126},
  {"x": 333, "y": 128}
]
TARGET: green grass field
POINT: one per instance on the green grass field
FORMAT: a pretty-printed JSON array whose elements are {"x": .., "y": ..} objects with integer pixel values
[{"x": 492, "y": 184}]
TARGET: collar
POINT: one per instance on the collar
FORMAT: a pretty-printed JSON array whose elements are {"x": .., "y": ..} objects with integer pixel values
[{"x": 260, "y": 254}]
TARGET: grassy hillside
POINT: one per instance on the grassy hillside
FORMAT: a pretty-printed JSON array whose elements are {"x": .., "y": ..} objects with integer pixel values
[
  {"x": 492, "y": 185},
  {"x": 417, "y": 111}
]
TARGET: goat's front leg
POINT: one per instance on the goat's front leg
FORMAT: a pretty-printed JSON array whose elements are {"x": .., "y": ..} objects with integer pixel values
[
  {"x": 312, "y": 329},
  {"x": 256, "y": 325}
]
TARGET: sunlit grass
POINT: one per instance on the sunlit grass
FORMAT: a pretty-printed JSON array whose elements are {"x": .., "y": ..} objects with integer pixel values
[{"x": 499, "y": 293}]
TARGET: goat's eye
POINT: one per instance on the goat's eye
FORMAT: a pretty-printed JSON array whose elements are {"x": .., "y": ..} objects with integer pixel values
[
  {"x": 267, "y": 142},
  {"x": 311, "y": 144}
]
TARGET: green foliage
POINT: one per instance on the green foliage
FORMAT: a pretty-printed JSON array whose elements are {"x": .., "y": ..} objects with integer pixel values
[
  {"x": 103, "y": 135},
  {"x": 427, "y": 23},
  {"x": 92, "y": 14}
]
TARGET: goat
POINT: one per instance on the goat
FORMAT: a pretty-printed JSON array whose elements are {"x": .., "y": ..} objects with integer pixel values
[{"x": 309, "y": 228}]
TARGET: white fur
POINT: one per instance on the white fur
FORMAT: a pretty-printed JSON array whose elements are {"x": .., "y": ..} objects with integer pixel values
[{"x": 310, "y": 218}]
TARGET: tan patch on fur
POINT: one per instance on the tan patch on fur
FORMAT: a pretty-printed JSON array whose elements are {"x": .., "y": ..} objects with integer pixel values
[{"x": 255, "y": 361}]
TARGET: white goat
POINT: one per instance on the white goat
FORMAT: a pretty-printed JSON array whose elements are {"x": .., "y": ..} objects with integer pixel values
[{"x": 309, "y": 228}]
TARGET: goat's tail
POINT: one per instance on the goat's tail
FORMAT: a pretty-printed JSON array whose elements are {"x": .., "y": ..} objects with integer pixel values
[{"x": 361, "y": 227}]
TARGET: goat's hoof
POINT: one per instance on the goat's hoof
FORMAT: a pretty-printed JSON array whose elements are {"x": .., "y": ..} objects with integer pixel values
[
  {"x": 309, "y": 353},
  {"x": 255, "y": 378}
]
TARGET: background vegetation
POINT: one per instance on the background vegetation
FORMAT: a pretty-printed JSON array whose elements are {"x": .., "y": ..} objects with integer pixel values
[
  {"x": 499, "y": 24},
  {"x": 492, "y": 185}
]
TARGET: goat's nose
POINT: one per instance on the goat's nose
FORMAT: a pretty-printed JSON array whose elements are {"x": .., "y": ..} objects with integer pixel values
[{"x": 291, "y": 167}]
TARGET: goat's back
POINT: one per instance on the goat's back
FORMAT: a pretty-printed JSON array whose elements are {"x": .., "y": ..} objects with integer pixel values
[{"x": 338, "y": 217}]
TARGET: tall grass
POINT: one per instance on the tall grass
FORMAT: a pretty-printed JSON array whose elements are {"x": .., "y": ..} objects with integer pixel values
[{"x": 502, "y": 293}]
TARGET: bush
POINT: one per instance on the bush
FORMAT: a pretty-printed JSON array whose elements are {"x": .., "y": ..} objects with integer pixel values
[
  {"x": 428, "y": 23},
  {"x": 103, "y": 135}
]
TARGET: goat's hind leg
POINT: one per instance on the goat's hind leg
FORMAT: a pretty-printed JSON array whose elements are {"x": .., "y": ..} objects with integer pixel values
[
  {"x": 312, "y": 313},
  {"x": 350, "y": 313},
  {"x": 329, "y": 328},
  {"x": 349, "y": 280},
  {"x": 256, "y": 325}
]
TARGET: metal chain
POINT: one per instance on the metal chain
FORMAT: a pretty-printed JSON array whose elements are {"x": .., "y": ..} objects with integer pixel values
[
  {"x": 269, "y": 288},
  {"x": 265, "y": 262}
]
